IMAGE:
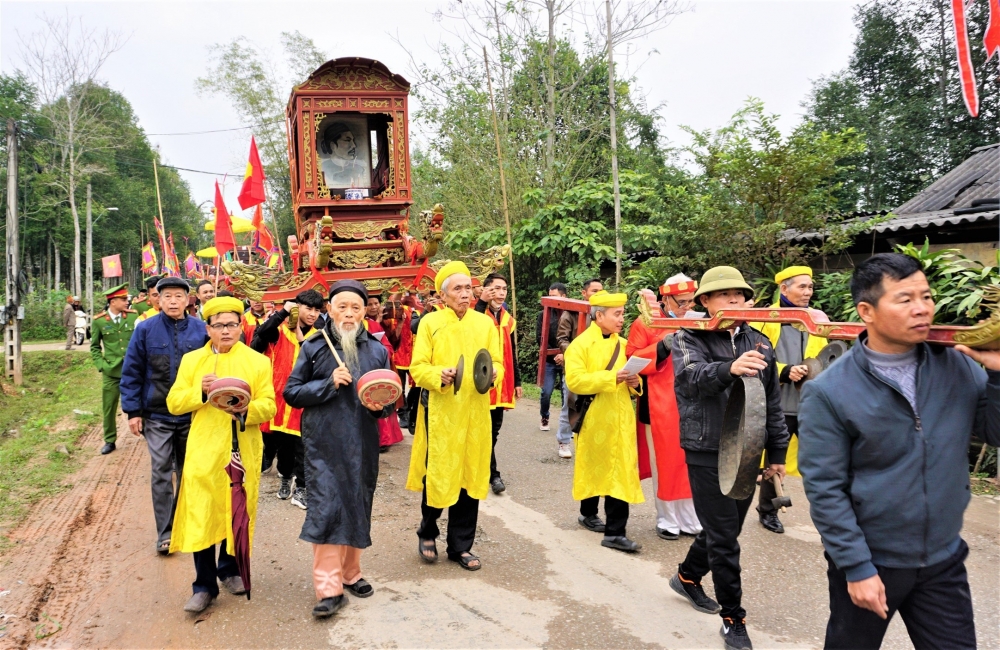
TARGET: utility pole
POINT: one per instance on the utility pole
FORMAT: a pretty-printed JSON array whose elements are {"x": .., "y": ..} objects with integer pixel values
[
  {"x": 614, "y": 153},
  {"x": 12, "y": 331},
  {"x": 90, "y": 255}
]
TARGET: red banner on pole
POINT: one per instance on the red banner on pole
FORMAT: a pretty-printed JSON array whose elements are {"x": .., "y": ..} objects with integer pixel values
[{"x": 112, "y": 266}]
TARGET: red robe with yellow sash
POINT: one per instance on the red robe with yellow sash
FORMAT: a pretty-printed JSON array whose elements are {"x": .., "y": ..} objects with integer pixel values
[
  {"x": 283, "y": 356},
  {"x": 503, "y": 396},
  {"x": 389, "y": 432}
]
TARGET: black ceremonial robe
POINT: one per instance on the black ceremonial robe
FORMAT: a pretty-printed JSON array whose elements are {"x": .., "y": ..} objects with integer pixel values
[{"x": 340, "y": 437}]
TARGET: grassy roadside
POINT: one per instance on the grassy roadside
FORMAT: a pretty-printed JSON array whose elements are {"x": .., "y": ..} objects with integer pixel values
[{"x": 39, "y": 429}]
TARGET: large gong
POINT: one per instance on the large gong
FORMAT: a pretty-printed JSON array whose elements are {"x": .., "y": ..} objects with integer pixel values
[{"x": 742, "y": 441}]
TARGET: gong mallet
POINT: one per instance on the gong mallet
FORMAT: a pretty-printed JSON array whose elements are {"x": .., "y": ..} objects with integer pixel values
[{"x": 780, "y": 502}]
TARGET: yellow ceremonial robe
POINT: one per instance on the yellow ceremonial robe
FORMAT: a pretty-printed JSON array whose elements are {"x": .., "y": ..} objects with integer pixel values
[
  {"x": 204, "y": 506},
  {"x": 453, "y": 448},
  {"x": 607, "y": 459}
]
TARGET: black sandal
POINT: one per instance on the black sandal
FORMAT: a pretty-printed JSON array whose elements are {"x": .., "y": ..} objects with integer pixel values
[
  {"x": 465, "y": 559},
  {"x": 163, "y": 548},
  {"x": 361, "y": 588},
  {"x": 427, "y": 545}
]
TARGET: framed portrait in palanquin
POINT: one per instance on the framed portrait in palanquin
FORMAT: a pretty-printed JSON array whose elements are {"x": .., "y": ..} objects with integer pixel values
[{"x": 344, "y": 152}]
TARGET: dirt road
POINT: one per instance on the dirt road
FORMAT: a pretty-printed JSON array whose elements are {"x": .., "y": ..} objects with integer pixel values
[{"x": 84, "y": 571}]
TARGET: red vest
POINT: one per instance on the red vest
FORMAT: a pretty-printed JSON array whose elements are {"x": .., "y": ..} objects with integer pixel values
[
  {"x": 283, "y": 355},
  {"x": 404, "y": 351},
  {"x": 504, "y": 398},
  {"x": 249, "y": 325}
]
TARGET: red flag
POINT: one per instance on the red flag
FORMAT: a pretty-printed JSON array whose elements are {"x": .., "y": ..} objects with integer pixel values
[
  {"x": 252, "y": 192},
  {"x": 991, "y": 40},
  {"x": 968, "y": 75},
  {"x": 224, "y": 239},
  {"x": 112, "y": 265},
  {"x": 262, "y": 240}
]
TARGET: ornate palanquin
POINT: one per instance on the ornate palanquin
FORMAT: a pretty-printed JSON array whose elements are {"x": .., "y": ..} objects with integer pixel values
[{"x": 349, "y": 163}]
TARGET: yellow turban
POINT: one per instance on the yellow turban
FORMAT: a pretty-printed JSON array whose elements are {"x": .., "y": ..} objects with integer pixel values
[
  {"x": 221, "y": 305},
  {"x": 791, "y": 272},
  {"x": 448, "y": 270},
  {"x": 605, "y": 299}
]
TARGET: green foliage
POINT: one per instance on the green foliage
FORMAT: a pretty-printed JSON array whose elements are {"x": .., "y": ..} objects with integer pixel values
[
  {"x": 36, "y": 419},
  {"x": 901, "y": 91},
  {"x": 833, "y": 296},
  {"x": 43, "y": 315},
  {"x": 957, "y": 283},
  {"x": 120, "y": 171}
]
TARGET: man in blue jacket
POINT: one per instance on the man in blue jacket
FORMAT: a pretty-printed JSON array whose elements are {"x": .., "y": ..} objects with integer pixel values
[
  {"x": 884, "y": 457},
  {"x": 149, "y": 370}
]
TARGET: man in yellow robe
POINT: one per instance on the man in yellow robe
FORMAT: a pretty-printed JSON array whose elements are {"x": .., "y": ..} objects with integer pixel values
[
  {"x": 204, "y": 507},
  {"x": 450, "y": 461},
  {"x": 607, "y": 459}
]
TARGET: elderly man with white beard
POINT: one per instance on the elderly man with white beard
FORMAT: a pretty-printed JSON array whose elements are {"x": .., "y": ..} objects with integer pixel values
[{"x": 341, "y": 440}]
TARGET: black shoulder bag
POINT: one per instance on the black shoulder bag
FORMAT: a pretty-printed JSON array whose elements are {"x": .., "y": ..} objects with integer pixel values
[{"x": 580, "y": 404}]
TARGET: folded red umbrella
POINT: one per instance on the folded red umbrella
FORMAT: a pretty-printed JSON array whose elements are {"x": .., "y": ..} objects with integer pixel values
[{"x": 241, "y": 518}]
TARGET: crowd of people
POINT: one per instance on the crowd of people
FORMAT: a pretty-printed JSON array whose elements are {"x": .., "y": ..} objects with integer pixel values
[{"x": 880, "y": 438}]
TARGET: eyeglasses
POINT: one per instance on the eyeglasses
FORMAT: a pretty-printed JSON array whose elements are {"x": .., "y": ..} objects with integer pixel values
[
  {"x": 221, "y": 327},
  {"x": 684, "y": 303}
]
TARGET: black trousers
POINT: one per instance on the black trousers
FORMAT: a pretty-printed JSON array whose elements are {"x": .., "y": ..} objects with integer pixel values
[
  {"x": 717, "y": 547},
  {"x": 291, "y": 456},
  {"x": 412, "y": 401},
  {"x": 615, "y": 513},
  {"x": 404, "y": 412},
  {"x": 935, "y": 603},
  {"x": 496, "y": 417},
  {"x": 463, "y": 516},
  {"x": 270, "y": 447},
  {"x": 767, "y": 491},
  {"x": 208, "y": 573}
]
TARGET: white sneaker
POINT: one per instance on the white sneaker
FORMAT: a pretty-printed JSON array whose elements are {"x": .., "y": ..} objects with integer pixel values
[
  {"x": 544, "y": 425},
  {"x": 565, "y": 451}
]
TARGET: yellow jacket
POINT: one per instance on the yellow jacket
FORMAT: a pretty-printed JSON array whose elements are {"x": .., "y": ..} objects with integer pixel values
[
  {"x": 453, "y": 439},
  {"x": 204, "y": 506},
  {"x": 607, "y": 459}
]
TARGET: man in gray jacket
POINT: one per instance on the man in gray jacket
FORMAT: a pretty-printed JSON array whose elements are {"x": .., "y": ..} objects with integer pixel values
[{"x": 884, "y": 457}]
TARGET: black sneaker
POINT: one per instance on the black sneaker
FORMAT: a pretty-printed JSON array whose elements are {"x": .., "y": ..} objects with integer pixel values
[
  {"x": 496, "y": 484},
  {"x": 285, "y": 490},
  {"x": 734, "y": 631},
  {"x": 329, "y": 606},
  {"x": 770, "y": 521},
  {"x": 299, "y": 498},
  {"x": 695, "y": 594},
  {"x": 663, "y": 533},
  {"x": 593, "y": 524}
]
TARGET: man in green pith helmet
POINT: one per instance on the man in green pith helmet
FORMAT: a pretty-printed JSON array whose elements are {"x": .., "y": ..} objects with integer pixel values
[{"x": 110, "y": 333}]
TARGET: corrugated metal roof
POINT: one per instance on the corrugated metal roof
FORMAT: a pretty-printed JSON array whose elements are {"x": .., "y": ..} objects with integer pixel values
[
  {"x": 918, "y": 221},
  {"x": 977, "y": 177}
]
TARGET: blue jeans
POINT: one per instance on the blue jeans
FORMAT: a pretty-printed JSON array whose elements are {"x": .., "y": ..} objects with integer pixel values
[{"x": 553, "y": 378}]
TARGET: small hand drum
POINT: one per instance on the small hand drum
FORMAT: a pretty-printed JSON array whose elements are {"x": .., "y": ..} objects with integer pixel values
[
  {"x": 378, "y": 388},
  {"x": 229, "y": 394}
]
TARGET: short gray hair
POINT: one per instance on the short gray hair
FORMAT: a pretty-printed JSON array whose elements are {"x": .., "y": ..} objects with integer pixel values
[{"x": 594, "y": 311}]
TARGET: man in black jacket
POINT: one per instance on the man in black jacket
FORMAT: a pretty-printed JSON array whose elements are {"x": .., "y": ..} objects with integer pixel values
[
  {"x": 706, "y": 366},
  {"x": 884, "y": 450}
]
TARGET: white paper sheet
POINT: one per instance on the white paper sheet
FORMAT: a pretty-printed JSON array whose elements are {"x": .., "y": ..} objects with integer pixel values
[
  {"x": 378, "y": 335},
  {"x": 635, "y": 365}
]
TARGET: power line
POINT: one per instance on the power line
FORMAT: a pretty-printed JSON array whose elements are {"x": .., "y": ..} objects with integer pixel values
[{"x": 238, "y": 128}]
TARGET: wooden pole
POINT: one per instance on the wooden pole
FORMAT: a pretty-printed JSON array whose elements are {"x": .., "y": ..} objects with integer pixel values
[
  {"x": 159, "y": 206},
  {"x": 614, "y": 154},
  {"x": 90, "y": 254},
  {"x": 277, "y": 238},
  {"x": 12, "y": 331},
  {"x": 218, "y": 263},
  {"x": 503, "y": 185}
]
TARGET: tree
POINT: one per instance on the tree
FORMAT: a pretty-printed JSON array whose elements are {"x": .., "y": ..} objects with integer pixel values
[
  {"x": 258, "y": 87},
  {"x": 900, "y": 91},
  {"x": 63, "y": 60}
]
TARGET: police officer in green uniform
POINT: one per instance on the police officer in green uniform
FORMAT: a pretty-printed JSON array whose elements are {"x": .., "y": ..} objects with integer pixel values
[{"x": 110, "y": 334}]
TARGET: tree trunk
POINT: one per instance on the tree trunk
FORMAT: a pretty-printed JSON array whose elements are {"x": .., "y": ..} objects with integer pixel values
[
  {"x": 56, "y": 274},
  {"x": 550, "y": 94},
  {"x": 77, "y": 286}
]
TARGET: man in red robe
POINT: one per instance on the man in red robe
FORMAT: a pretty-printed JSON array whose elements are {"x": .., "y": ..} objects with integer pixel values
[
  {"x": 279, "y": 339},
  {"x": 492, "y": 301},
  {"x": 657, "y": 422},
  {"x": 397, "y": 328},
  {"x": 389, "y": 431}
]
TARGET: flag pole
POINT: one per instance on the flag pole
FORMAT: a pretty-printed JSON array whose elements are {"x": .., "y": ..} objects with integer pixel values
[
  {"x": 503, "y": 184},
  {"x": 218, "y": 263},
  {"x": 274, "y": 222},
  {"x": 159, "y": 205}
]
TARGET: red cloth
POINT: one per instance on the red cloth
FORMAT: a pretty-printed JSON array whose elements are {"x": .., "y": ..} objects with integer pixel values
[
  {"x": 283, "y": 355},
  {"x": 112, "y": 266},
  {"x": 404, "y": 352},
  {"x": 671, "y": 467},
  {"x": 505, "y": 398},
  {"x": 225, "y": 241},
  {"x": 389, "y": 432},
  {"x": 252, "y": 192}
]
